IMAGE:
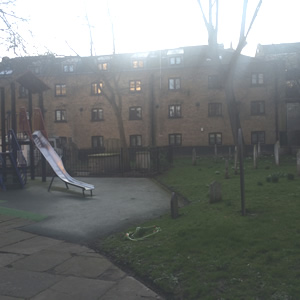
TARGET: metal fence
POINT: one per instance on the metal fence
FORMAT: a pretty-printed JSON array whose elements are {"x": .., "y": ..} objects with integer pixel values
[{"x": 133, "y": 162}]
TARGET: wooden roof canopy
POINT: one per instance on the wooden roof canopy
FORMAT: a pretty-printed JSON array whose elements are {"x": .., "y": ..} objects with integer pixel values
[{"x": 32, "y": 83}]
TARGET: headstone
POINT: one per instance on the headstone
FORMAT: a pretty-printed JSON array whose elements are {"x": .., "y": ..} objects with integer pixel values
[
  {"x": 298, "y": 162},
  {"x": 229, "y": 153},
  {"x": 226, "y": 169},
  {"x": 258, "y": 150},
  {"x": 216, "y": 151},
  {"x": 276, "y": 152},
  {"x": 194, "y": 157},
  {"x": 215, "y": 192},
  {"x": 255, "y": 156},
  {"x": 174, "y": 206},
  {"x": 235, "y": 160}
]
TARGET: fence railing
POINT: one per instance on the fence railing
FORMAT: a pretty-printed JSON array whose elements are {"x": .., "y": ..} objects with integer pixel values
[{"x": 135, "y": 162}]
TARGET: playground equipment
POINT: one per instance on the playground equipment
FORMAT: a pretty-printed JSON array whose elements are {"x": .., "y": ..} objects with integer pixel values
[
  {"x": 13, "y": 164},
  {"x": 56, "y": 163}
]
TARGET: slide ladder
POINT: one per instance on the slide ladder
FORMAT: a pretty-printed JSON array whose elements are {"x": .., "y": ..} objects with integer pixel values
[{"x": 13, "y": 163}]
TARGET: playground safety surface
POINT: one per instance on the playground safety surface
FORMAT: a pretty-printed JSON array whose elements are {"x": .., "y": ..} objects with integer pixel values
[{"x": 47, "y": 259}]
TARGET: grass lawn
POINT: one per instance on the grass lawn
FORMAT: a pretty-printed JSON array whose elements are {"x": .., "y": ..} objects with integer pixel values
[{"x": 211, "y": 251}]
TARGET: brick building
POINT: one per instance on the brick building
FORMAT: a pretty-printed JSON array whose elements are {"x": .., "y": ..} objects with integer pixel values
[
  {"x": 167, "y": 97},
  {"x": 288, "y": 55}
]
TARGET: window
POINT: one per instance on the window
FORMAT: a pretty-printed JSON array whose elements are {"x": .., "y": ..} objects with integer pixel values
[
  {"x": 135, "y": 85},
  {"x": 214, "y": 109},
  {"x": 138, "y": 64},
  {"x": 23, "y": 92},
  {"x": 103, "y": 66},
  {"x": 60, "y": 116},
  {"x": 215, "y": 138},
  {"x": 96, "y": 88},
  {"x": 174, "y": 83},
  {"x": 214, "y": 82},
  {"x": 175, "y": 139},
  {"x": 97, "y": 141},
  {"x": 135, "y": 141},
  {"x": 97, "y": 114},
  {"x": 60, "y": 90},
  {"x": 257, "y": 79},
  {"x": 68, "y": 68},
  {"x": 257, "y": 108},
  {"x": 135, "y": 113},
  {"x": 175, "y": 60},
  {"x": 175, "y": 111},
  {"x": 257, "y": 137}
]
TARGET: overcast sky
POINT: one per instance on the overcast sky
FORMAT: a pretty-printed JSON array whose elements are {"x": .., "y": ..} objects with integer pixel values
[{"x": 70, "y": 27}]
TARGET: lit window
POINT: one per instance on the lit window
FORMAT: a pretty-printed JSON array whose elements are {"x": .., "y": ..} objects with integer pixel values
[
  {"x": 174, "y": 83},
  {"x": 97, "y": 141},
  {"x": 60, "y": 116},
  {"x": 135, "y": 113},
  {"x": 103, "y": 66},
  {"x": 175, "y": 111},
  {"x": 135, "y": 85},
  {"x": 135, "y": 141},
  {"x": 257, "y": 79},
  {"x": 138, "y": 64},
  {"x": 68, "y": 68},
  {"x": 215, "y": 138},
  {"x": 175, "y": 139},
  {"x": 257, "y": 108},
  {"x": 60, "y": 90},
  {"x": 257, "y": 137},
  {"x": 214, "y": 109},
  {"x": 97, "y": 114},
  {"x": 96, "y": 88}
]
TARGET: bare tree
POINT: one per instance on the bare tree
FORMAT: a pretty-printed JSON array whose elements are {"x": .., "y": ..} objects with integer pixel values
[
  {"x": 10, "y": 36},
  {"x": 227, "y": 72}
]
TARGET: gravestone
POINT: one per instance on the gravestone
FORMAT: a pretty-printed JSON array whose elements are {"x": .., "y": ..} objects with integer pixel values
[
  {"x": 174, "y": 206},
  {"x": 226, "y": 169},
  {"x": 229, "y": 153},
  {"x": 215, "y": 192},
  {"x": 194, "y": 157},
  {"x": 235, "y": 160},
  {"x": 216, "y": 151},
  {"x": 276, "y": 152},
  {"x": 258, "y": 150},
  {"x": 255, "y": 156},
  {"x": 298, "y": 162}
]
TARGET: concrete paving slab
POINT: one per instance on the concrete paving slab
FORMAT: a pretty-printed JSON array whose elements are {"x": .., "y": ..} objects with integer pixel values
[
  {"x": 42, "y": 261},
  {"x": 8, "y": 258},
  {"x": 130, "y": 289},
  {"x": 74, "y": 288},
  {"x": 30, "y": 246},
  {"x": 71, "y": 248},
  {"x": 84, "y": 266},
  {"x": 112, "y": 274},
  {"x": 24, "y": 284},
  {"x": 7, "y": 238}
]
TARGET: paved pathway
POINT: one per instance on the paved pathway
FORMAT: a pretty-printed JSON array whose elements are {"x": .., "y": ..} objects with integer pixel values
[
  {"x": 38, "y": 268},
  {"x": 46, "y": 259}
]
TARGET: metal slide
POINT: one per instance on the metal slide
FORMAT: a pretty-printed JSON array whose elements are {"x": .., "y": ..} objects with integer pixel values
[{"x": 56, "y": 163}]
